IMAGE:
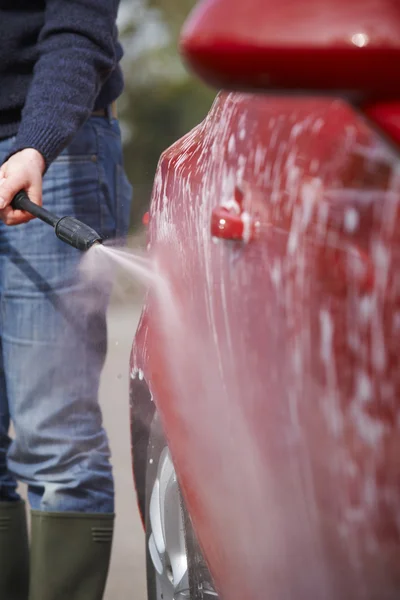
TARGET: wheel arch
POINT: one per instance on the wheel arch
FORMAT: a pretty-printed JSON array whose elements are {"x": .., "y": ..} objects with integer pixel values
[{"x": 142, "y": 410}]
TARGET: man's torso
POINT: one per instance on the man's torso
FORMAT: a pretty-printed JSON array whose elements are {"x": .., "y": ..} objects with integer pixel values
[{"x": 21, "y": 22}]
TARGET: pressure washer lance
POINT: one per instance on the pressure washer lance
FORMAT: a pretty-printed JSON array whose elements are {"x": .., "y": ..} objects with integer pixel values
[{"x": 69, "y": 230}]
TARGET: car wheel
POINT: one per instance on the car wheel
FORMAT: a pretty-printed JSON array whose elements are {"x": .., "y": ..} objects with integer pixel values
[{"x": 176, "y": 569}]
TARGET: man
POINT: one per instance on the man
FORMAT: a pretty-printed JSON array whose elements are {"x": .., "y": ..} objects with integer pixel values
[{"x": 59, "y": 141}]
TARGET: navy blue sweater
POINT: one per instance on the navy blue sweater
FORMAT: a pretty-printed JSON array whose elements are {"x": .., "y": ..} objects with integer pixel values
[{"x": 59, "y": 60}]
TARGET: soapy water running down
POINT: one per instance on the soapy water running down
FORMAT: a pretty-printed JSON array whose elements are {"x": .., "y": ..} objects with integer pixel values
[
  {"x": 260, "y": 480},
  {"x": 196, "y": 371}
]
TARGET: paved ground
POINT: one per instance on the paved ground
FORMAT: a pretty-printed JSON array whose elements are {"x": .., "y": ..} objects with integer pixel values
[{"x": 127, "y": 576}]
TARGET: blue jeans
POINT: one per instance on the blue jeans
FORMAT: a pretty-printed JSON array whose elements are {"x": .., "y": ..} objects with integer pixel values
[{"x": 53, "y": 337}]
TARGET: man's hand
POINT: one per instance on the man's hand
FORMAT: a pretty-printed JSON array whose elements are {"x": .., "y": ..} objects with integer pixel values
[{"x": 23, "y": 171}]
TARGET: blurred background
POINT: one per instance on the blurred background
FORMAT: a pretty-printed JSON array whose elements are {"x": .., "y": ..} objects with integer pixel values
[{"x": 162, "y": 101}]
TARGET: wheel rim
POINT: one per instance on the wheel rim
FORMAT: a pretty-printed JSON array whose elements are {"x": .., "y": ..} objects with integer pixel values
[{"x": 167, "y": 545}]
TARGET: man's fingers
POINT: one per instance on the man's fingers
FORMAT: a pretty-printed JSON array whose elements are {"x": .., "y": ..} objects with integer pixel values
[
  {"x": 23, "y": 171},
  {"x": 34, "y": 192},
  {"x": 10, "y": 217},
  {"x": 2, "y": 179},
  {"x": 8, "y": 188}
]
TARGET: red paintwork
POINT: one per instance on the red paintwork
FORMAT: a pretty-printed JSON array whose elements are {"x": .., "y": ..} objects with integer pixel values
[
  {"x": 275, "y": 364},
  {"x": 297, "y": 44},
  {"x": 387, "y": 116}
]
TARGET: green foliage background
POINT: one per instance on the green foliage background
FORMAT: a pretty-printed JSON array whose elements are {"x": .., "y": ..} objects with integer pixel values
[{"x": 162, "y": 101}]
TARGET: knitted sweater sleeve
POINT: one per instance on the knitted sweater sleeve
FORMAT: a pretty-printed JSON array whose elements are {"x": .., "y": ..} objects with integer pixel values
[{"x": 77, "y": 47}]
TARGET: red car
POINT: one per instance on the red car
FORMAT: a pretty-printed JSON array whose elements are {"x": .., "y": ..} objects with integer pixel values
[{"x": 265, "y": 389}]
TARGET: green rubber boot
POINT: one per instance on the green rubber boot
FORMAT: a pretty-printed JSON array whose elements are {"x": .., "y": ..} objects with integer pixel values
[
  {"x": 14, "y": 551},
  {"x": 70, "y": 555}
]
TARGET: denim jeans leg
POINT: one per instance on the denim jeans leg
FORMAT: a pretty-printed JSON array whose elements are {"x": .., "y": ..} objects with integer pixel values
[
  {"x": 8, "y": 483},
  {"x": 54, "y": 333}
]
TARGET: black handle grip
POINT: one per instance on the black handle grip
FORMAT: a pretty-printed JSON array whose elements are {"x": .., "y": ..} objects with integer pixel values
[
  {"x": 22, "y": 202},
  {"x": 69, "y": 230}
]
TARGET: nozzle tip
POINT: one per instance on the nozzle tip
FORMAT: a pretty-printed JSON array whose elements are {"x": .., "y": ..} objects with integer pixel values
[{"x": 77, "y": 234}]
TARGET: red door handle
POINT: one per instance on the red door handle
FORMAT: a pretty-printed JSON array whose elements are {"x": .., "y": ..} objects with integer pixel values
[
  {"x": 232, "y": 222},
  {"x": 228, "y": 225}
]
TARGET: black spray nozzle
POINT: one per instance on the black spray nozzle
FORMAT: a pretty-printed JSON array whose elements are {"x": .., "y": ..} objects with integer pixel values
[
  {"x": 69, "y": 230},
  {"x": 77, "y": 234}
]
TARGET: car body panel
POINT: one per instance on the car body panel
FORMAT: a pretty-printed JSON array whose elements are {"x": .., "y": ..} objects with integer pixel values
[
  {"x": 274, "y": 363},
  {"x": 296, "y": 44},
  {"x": 386, "y": 114}
]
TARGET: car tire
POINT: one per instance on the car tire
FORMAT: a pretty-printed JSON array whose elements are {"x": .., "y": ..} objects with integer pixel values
[{"x": 176, "y": 569}]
